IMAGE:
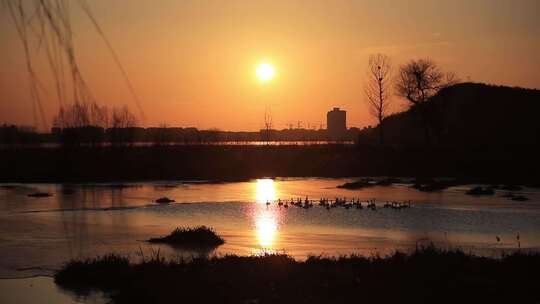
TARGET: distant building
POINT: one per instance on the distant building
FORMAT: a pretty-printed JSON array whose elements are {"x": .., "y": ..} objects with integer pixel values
[{"x": 336, "y": 122}]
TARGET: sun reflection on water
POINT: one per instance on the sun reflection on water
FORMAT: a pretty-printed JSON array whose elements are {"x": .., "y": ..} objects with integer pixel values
[
  {"x": 266, "y": 226},
  {"x": 266, "y": 218},
  {"x": 266, "y": 191}
]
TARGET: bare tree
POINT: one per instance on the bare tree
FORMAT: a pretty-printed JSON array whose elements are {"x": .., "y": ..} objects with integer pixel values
[
  {"x": 99, "y": 115},
  {"x": 377, "y": 89},
  {"x": 122, "y": 125},
  {"x": 418, "y": 81},
  {"x": 123, "y": 118},
  {"x": 267, "y": 126},
  {"x": 78, "y": 115}
]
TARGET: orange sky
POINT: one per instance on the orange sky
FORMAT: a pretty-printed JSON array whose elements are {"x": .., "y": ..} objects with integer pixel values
[{"x": 193, "y": 62}]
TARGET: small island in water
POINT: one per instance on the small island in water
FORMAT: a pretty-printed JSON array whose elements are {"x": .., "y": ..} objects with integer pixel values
[{"x": 198, "y": 237}]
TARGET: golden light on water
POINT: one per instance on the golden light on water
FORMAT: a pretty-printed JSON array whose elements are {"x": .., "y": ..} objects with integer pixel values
[
  {"x": 266, "y": 218},
  {"x": 265, "y": 191},
  {"x": 267, "y": 227}
]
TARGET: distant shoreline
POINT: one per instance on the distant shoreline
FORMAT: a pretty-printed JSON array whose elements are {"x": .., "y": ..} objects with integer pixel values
[{"x": 508, "y": 164}]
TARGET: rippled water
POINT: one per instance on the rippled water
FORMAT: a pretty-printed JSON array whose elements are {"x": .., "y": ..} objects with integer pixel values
[{"x": 38, "y": 234}]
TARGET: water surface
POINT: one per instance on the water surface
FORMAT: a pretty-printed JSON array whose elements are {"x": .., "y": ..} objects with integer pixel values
[
  {"x": 43, "y": 290},
  {"x": 38, "y": 234}
]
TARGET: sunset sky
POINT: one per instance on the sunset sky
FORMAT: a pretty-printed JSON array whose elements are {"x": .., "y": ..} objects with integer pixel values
[{"x": 193, "y": 63}]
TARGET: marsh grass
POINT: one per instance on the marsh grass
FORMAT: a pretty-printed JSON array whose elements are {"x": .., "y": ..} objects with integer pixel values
[
  {"x": 427, "y": 275},
  {"x": 197, "y": 237}
]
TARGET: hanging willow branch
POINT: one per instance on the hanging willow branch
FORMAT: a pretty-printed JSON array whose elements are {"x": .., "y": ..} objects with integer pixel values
[{"x": 44, "y": 28}]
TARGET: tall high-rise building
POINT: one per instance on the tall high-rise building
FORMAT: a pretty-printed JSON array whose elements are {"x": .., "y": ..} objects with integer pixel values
[{"x": 336, "y": 122}]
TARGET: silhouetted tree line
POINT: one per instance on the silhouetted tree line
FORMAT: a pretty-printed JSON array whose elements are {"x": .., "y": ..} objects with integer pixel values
[
  {"x": 91, "y": 124},
  {"x": 171, "y": 135},
  {"x": 12, "y": 134},
  {"x": 93, "y": 135},
  {"x": 97, "y": 135}
]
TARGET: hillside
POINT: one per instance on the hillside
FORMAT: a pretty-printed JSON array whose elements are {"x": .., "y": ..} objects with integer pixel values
[{"x": 468, "y": 114}]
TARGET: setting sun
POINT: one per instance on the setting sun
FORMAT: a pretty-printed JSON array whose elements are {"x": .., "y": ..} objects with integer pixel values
[{"x": 265, "y": 71}]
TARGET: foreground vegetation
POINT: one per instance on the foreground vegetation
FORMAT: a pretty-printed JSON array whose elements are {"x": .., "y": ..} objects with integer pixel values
[{"x": 427, "y": 275}]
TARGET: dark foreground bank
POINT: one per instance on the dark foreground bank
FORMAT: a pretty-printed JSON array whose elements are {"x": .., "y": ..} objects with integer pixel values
[
  {"x": 503, "y": 164},
  {"x": 425, "y": 276}
]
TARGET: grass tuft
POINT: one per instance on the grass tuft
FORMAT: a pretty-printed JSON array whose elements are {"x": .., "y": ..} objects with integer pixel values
[{"x": 198, "y": 237}]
